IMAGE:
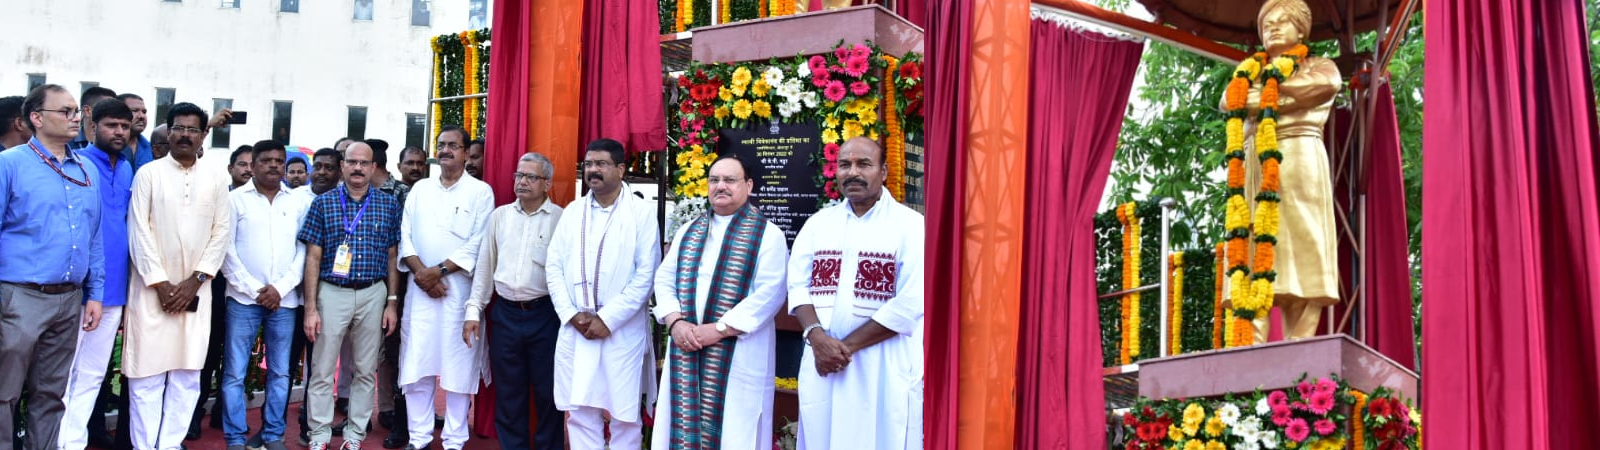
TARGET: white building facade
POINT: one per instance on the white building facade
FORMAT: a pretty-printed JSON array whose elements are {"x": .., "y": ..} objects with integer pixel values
[{"x": 307, "y": 72}]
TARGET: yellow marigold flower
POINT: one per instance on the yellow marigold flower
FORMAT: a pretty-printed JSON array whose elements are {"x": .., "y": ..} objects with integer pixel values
[
  {"x": 760, "y": 88},
  {"x": 725, "y": 94},
  {"x": 868, "y": 117},
  {"x": 762, "y": 108},
  {"x": 1285, "y": 65},
  {"x": 1194, "y": 445},
  {"x": 741, "y": 76},
  {"x": 1214, "y": 425},
  {"x": 1216, "y": 445},
  {"x": 1174, "y": 433},
  {"x": 1235, "y": 131},
  {"x": 852, "y": 129},
  {"x": 742, "y": 109},
  {"x": 831, "y": 122},
  {"x": 722, "y": 112},
  {"x": 1194, "y": 413},
  {"x": 873, "y": 135},
  {"x": 1250, "y": 66},
  {"x": 830, "y": 137}
]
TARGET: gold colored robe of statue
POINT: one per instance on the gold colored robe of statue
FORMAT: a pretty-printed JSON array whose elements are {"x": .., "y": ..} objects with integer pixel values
[{"x": 1307, "y": 259}]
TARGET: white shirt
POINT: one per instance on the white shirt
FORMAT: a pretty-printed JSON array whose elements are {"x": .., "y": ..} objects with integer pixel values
[
  {"x": 511, "y": 260},
  {"x": 264, "y": 249}
]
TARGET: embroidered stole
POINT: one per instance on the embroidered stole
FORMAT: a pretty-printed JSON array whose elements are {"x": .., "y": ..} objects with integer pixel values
[{"x": 699, "y": 379}]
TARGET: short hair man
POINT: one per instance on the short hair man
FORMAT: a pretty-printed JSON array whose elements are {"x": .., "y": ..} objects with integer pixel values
[
  {"x": 413, "y": 165},
  {"x": 14, "y": 127},
  {"x": 475, "y": 158},
  {"x": 112, "y": 122},
  {"x": 139, "y": 152},
  {"x": 239, "y": 166},
  {"x": 53, "y": 259},
  {"x": 90, "y": 97},
  {"x": 294, "y": 172},
  {"x": 327, "y": 170},
  {"x": 445, "y": 219},
  {"x": 522, "y": 344},
  {"x": 604, "y": 358},
  {"x": 342, "y": 144},
  {"x": 264, "y": 265},
  {"x": 159, "y": 146},
  {"x": 351, "y": 235},
  {"x": 856, "y": 285},
  {"x": 718, "y": 294},
  {"x": 179, "y": 218}
]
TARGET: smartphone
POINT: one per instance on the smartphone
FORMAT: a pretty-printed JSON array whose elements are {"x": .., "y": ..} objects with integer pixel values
[
  {"x": 238, "y": 118},
  {"x": 194, "y": 306}
]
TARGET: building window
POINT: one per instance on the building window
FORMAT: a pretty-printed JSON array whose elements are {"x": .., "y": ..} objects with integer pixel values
[
  {"x": 420, "y": 13},
  {"x": 35, "y": 80},
  {"x": 415, "y": 130},
  {"x": 221, "y": 137},
  {"x": 282, "y": 111},
  {"x": 477, "y": 14},
  {"x": 358, "y": 123},
  {"x": 230, "y": 4},
  {"x": 363, "y": 10},
  {"x": 164, "y": 99},
  {"x": 289, "y": 6}
]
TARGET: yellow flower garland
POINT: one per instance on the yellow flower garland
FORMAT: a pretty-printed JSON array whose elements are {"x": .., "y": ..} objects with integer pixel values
[
  {"x": 726, "y": 11},
  {"x": 895, "y": 148},
  {"x": 470, "y": 85},
  {"x": 438, "y": 112},
  {"x": 1175, "y": 321},
  {"x": 1130, "y": 279},
  {"x": 1217, "y": 316}
]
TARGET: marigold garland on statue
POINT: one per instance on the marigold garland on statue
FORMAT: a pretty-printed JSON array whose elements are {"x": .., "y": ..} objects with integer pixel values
[{"x": 1218, "y": 319}]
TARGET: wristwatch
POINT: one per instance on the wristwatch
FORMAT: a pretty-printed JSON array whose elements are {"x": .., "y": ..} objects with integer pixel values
[
  {"x": 202, "y": 277},
  {"x": 806, "y": 334},
  {"x": 443, "y": 269},
  {"x": 722, "y": 328}
]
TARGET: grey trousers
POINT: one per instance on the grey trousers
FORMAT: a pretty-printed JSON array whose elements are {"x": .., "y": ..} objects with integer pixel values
[
  {"x": 38, "y": 336},
  {"x": 357, "y": 317}
]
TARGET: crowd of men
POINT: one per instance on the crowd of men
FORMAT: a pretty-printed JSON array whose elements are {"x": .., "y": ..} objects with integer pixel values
[{"x": 395, "y": 290}]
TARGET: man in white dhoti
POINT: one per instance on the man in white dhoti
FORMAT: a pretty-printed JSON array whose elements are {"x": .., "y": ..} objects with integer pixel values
[
  {"x": 599, "y": 269},
  {"x": 856, "y": 285},
  {"x": 180, "y": 230},
  {"x": 443, "y": 225},
  {"x": 718, "y": 293}
]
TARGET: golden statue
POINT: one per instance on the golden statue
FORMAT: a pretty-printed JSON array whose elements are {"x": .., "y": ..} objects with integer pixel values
[{"x": 1307, "y": 262}]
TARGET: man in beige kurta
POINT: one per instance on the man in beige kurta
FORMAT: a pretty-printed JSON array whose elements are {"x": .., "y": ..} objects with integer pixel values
[{"x": 179, "y": 230}]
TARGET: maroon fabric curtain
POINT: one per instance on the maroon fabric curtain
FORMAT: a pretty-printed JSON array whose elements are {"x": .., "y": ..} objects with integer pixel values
[
  {"x": 949, "y": 81},
  {"x": 1511, "y": 235},
  {"x": 1387, "y": 270},
  {"x": 508, "y": 86},
  {"x": 915, "y": 11},
  {"x": 622, "y": 76},
  {"x": 1074, "y": 116}
]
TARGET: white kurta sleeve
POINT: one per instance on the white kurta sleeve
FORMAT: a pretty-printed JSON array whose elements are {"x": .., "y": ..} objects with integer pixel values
[
  {"x": 466, "y": 257},
  {"x": 233, "y": 269},
  {"x": 555, "y": 274},
  {"x": 800, "y": 264},
  {"x": 407, "y": 220},
  {"x": 216, "y": 248},
  {"x": 646, "y": 256},
  {"x": 483, "y": 279},
  {"x": 903, "y": 312},
  {"x": 667, "y": 281},
  {"x": 141, "y": 237},
  {"x": 760, "y": 306}
]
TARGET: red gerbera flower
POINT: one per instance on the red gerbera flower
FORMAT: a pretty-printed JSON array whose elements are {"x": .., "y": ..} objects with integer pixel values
[
  {"x": 835, "y": 91},
  {"x": 911, "y": 69}
]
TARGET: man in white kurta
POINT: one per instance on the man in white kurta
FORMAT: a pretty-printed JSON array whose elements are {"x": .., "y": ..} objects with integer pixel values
[
  {"x": 441, "y": 230},
  {"x": 855, "y": 282},
  {"x": 180, "y": 228},
  {"x": 599, "y": 269},
  {"x": 718, "y": 293}
]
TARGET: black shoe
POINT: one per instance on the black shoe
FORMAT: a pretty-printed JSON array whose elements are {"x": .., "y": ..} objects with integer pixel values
[
  {"x": 386, "y": 419},
  {"x": 102, "y": 441},
  {"x": 255, "y": 442},
  {"x": 395, "y": 440}
]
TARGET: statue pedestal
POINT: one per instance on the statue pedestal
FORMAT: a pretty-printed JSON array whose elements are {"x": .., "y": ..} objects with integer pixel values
[
  {"x": 806, "y": 34},
  {"x": 1274, "y": 365}
]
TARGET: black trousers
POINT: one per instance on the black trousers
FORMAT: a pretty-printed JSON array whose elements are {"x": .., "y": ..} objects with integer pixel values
[
  {"x": 211, "y": 372},
  {"x": 522, "y": 349}
]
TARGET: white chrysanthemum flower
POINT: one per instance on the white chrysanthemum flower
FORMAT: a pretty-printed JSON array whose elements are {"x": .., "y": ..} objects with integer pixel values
[
  {"x": 1268, "y": 440},
  {"x": 1229, "y": 414},
  {"x": 1262, "y": 407},
  {"x": 1248, "y": 429},
  {"x": 811, "y": 99},
  {"x": 804, "y": 70},
  {"x": 1247, "y": 445},
  {"x": 773, "y": 75}
]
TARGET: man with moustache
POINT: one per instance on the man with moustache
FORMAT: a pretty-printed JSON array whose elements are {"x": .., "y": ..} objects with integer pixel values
[
  {"x": 523, "y": 323},
  {"x": 14, "y": 128},
  {"x": 855, "y": 283},
  {"x": 112, "y": 119},
  {"x": 440, "y": 237},
  {"x": 475, "y": 158},
  {"x": 239, "y": 166},
  {"x": 413, "y": 165},
  {"x": 139, "y": 152},
  {"x": 51, "y": 259},
  {"x": 91, "y": 96},
  {"x": 599, "y": 271},
  {"x": 179, "y": 235},
  {"x": 295, "y": 171},
  {"x": 264, "y": 265},
  {"x": 351, "y": 236},
  {"x": 326, "y": 172},
  {"x": 718, "y": 295}
]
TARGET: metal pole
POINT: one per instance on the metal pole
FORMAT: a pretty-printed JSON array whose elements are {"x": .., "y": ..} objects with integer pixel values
[
  {"x": 1166, "y": 225},
  {"x": 427, "y": 121}
]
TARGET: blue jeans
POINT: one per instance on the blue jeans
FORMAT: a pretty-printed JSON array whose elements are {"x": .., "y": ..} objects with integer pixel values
[{"x": 243, "y": 321}]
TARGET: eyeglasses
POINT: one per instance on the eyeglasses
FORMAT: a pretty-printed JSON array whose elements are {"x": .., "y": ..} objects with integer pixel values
[
  {"x": 358, "y": 163},
  {"x": 598, "y": 164},
  {"x": 451, "y": 146},
  {"x": 519, "y": 176},
  {"x": 180, "y": 129},
  {"x": 68, "y": 113},
  {"x": 713, "y": 181}
]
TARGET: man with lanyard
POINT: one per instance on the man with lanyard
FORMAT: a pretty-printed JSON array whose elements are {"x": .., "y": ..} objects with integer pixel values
[
  {"x": 440, "y": 236},
  {"x": 351, "y": 235},
  {"x": 718, "y": 294},
  {"x": 51, "y": 259},
  {"x": 599, "y": 270},
  {"x": 111, "y": 129},
  {"x": 855, "y": 283},
  {"x": 141, "y": 153},
  {"x": 327, "y": 169}
]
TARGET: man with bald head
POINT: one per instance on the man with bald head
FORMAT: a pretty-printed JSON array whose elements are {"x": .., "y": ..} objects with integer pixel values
[
  {"x": 158, "y": 142},
  {"x": 855, "y": 283}
]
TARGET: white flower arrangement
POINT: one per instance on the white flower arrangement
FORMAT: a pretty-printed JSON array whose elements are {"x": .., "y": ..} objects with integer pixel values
[{"x": 685, "y": 211}]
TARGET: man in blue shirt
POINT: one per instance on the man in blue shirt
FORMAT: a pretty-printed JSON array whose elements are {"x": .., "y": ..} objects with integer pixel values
[
  {"x": 51, "y": 258},
  {"x": 141, "y": 152},
  {"x": 14, "y": 129},
  {"x": 113, "y": 122},
  {"x": 91, "y": 96}
]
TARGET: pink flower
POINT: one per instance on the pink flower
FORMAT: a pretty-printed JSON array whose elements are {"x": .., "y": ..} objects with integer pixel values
[
  {"x": 830, "y": 169},
  {"x": 818, "y": 64},
  {"x": 1327, "y": 386},
  {"x": 831, "y": 152},
  {"x": 1281, "y": 416},
  {"x": 861, "y": 51},
  {"x": 820, "y": 78},
  {"x": 1305, "y": 388},
  {"x": 1298, "y": 406},
  {"x": 1321, "y": 403},
  {"x": 842, "y": 53},
  {"x": 1402, "y": 412},
  {"x": 857, "y": 66},
  {"x": 835, "y": 91},
  {"x": 1277, "y": 398},
  {"x": 827, "y": 189},
  {"x": 1326, "y": 427},
  {"x": 1297, "y": 430},
  {"x": 860, "y": 88}
]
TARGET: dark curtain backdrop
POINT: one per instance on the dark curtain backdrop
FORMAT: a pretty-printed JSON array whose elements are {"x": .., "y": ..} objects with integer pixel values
[{"x": 949, "y": 56}]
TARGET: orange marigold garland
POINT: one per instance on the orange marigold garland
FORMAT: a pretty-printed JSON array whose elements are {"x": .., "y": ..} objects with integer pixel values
[
  {"x": 725, "y": 11},
  {"x": 1130, "y": 279},
  {"x": 1218, "y": 318},
  {"x": 762, "y": 9},
  {"x": 895, "y": 148},
  {"x": 1358, "y": 429},
  {"x": 1175, "y": 311}
]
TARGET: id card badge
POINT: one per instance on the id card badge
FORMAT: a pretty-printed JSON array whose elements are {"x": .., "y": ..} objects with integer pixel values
[{"x": 341, "y": 261}]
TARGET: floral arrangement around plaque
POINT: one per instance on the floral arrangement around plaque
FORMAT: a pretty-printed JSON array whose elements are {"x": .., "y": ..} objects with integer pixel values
[
  {"x": 460, "y": 67},
  {"x": 841, "y": 90},
  {"x": 1322, "y": 414},
  {"x": 684, "y": 15}
]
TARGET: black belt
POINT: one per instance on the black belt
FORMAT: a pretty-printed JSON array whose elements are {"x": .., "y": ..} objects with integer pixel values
[
  {"x": 50, "y": 289},
  {"x": 522, "y": 305},
  {"x": 356, "y": 285}
]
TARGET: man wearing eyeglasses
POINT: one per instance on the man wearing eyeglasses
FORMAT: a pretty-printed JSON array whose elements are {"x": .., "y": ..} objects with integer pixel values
[
  {"x": 180, "y": 229},
  {"x": 523, "y": 323},
  {"x": 51, "y": 259},
  {"x": 599, "y": 268},
  {"x": 351, "y": 235},
  {"x": 445, "y": 219}
]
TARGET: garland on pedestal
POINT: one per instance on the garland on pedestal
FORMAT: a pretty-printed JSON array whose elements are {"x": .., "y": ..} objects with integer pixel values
[
  {"x": 895, "y": 147},
  {"x": 460, "y": 67},
  {"x": 1175, "y": 309},
  {"x": 1130, "y": 279},
  {"x": 1218, "y": 318},
  {"x": 680, "y": 15}
]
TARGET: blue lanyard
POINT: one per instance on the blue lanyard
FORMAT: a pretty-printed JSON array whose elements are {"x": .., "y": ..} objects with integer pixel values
[{"x": 344, "y": 205}]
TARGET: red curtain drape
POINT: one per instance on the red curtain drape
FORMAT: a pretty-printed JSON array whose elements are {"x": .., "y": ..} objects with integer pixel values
[
  {"x": 1387, "y": 269},
  {"x": 622, "y": 76},
  {"x": 507, "y": 128},
  {"x": 1511, "y": 235},
  {"x": 1074, "y": 116},
  {"x": 949, "y": 52},
  {"x": 915, "y": 11}
]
